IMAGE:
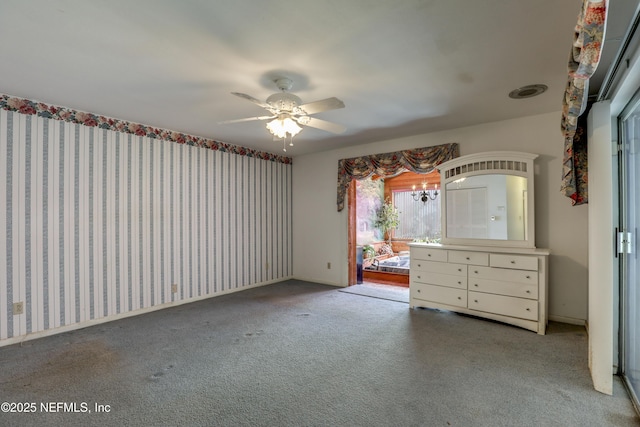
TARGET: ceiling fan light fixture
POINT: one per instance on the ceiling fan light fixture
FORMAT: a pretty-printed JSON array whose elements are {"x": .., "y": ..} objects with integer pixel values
[
  {"x": 284, "y": 101},
  {"x": 288, "y": 114},
  {"x": 283, "y": 126}
]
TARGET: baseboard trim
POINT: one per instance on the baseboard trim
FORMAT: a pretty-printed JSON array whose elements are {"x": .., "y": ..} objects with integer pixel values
[
  {"x": 569, "y": 320},
  {"x": 320, "y": 281},
  {"x": 68, "y": 328}
]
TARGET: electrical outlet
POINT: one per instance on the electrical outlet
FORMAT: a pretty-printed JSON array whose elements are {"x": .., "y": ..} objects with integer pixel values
[
  {"x": 174, "y": 288},
  {"x": 18, "y": 308},
  {"x": 328, "y": 266}
]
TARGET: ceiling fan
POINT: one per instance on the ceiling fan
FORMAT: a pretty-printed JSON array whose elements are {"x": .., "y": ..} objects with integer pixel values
[{"x": 288, "y": 113}]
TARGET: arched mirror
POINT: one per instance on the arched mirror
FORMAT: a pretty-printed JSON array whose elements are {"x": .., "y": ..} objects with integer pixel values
[{"x": 488, "y": 199}]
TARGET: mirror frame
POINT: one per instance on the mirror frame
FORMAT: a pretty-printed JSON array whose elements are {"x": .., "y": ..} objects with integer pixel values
[{"x": 490, "y": 163}]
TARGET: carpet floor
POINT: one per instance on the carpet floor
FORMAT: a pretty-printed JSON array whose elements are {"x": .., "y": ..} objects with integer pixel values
[{"x": 304, "y": 354}]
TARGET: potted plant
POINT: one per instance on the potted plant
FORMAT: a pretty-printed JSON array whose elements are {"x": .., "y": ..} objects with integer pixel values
[
  {"x": 368, "y": 251},
  {"x": 387, "y": 218}
]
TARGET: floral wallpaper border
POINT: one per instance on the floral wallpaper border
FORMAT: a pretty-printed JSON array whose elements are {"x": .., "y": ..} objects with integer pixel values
[{"x": 26, "y": 106}]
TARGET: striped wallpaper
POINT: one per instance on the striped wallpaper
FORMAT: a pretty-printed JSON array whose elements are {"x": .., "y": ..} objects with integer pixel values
[{"x": 99, "y": 223}]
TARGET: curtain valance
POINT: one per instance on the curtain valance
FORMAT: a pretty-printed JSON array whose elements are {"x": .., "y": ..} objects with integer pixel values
[
  {"x": 583, "y": 61},
  {"x": 420, "y": 160}
]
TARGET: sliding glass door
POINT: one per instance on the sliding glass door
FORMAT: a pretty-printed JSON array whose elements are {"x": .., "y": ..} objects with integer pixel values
[{"x": 629, "y": 247}]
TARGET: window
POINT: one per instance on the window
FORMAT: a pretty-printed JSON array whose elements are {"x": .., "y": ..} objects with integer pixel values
[
  {"x": 369, "y": 196},
  {"x": 418, "y": 220}
]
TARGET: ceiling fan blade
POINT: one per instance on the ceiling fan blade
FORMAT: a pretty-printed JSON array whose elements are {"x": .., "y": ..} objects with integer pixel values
[
  {"x": 252, "y": 99},
  {"x": 322, "y": 105},
  {"x": 323, "y": 125},
  {"x": 248, "y": 119}
]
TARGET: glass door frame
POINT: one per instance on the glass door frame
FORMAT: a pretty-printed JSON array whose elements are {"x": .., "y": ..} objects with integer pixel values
[{"x": 624, "y": 257}]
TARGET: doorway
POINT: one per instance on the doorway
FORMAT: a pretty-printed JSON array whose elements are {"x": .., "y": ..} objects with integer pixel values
[{"x": 419, "y": 220}]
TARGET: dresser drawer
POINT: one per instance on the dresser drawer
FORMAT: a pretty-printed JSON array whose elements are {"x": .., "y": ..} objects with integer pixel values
[
  {"x": 513, "y": 261},
  {"x": 440, "y": 294},
  {"x": 503, "y": 275},
  {"x": 429, "y": 254},
  {"x": 507, "y": 306},
  {"x": 440, "y": 279},
  {"x": 520, "y": 290},
  {"x": 465, "y": 257},
  {"x": 439, "y": 267}
]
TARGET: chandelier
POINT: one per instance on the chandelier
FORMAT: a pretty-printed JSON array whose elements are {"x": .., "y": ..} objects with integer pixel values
[{"x": 424, "y": 195}]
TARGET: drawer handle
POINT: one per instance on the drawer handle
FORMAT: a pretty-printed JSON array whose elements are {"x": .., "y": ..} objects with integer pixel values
[
  {"x": 467, "y": 258},
  {"x": 528, "y": 309},
  {"x": 428, "y": 254},
  {"x": 528, "y": 292},
  {"x": 475, "y": 300},
  {"x": 476, "y": 285},
  {"x": 418, "y": 290},
  {"x": 513, "y": 262},
  {"x": 459, "y": 282},
  {"x": 459, "y": 297},
  {"x": 419, "y": 265},
  {"x": 460, "y": 269},
  {"x": 476, "y": 271},
  {"x": 528, "y": 277},
  {"x": 419, "y": 277}
]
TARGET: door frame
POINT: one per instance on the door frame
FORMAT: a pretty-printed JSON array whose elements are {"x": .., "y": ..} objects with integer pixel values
[
  {"x": 624, "y": 258},
  {"x": 351, "y": 233}
]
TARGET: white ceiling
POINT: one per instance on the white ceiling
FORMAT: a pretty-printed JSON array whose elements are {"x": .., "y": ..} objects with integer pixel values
[{"x": 402, "y": 67}]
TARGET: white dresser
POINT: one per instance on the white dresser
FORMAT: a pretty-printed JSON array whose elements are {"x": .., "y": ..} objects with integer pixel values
[{"x": 504, "y": 284}]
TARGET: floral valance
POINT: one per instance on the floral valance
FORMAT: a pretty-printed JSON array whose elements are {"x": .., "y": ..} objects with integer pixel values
[
  {"x": 26, "y": 106},
  {"x": 420, "y": 160},
  {"x": 583, "y": 61}
]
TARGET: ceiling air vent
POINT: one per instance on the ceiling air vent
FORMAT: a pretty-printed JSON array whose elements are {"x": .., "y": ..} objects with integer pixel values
[{"x": 527, "y": 91}]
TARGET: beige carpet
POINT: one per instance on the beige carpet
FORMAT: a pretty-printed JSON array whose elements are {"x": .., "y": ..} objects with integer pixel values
[{"x": 304, "y": 354}]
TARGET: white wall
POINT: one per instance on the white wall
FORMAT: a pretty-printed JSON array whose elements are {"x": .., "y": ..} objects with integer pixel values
[
  {"x": 602, "y": 285},
  {"x": 320, "y": 232}
]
